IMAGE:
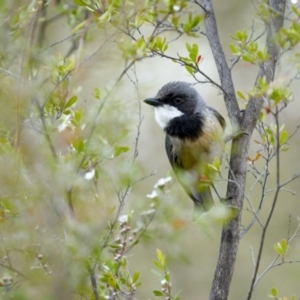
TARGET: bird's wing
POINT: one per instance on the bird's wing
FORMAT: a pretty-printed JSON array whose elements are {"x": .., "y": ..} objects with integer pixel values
[
  {"x": 219, "y": 117},
  {"x": 169, "y": 150},
  {"x": 199, "y": 193}
]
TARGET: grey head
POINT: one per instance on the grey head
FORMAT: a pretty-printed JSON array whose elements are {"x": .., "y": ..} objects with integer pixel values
[{"x": 175, "y": 99}]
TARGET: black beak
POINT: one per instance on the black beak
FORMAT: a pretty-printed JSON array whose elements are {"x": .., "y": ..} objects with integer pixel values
[{"x": 153, "y": 102}]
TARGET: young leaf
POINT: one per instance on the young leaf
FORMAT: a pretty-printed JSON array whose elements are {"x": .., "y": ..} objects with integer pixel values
[
  {"x": 282, "y": 247},
  {"x": 112, "y": 282},
  {"x": 233, "y": 49},
  {"x": 97, "y": 93},
  {"x": 188, "y": 47},
  {"x": 273, "y": 292},
  {"x": 135, "y": 277},
  {"x": 283, "y": 137},
  {"x": 158, "y": 265},
  {"x": 79, "y": 26},
  {"x": 212, "y": 167},
  {"x": 161, "y": 257},
  {"x": 70, "y": 102},
  {"x": 158, "y": 293},
  {"x": 190, "y": 69},
  {"x": 80, "y": 2},
  {"x": 241, "y": 95},
  {"x": 119, "y": 150}
]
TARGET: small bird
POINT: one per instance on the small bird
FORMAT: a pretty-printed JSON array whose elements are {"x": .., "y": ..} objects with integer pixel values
[{"x": 194, "y": 138}]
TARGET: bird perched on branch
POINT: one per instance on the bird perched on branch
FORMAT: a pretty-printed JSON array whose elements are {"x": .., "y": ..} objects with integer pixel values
[{"x": 194, "y": 138}]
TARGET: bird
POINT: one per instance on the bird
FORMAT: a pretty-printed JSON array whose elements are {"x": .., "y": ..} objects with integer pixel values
[{"x": 194, "y": 138}]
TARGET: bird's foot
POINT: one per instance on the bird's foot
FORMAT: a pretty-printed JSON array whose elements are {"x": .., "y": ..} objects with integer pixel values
[
  {"x": 227, "y": 200},
  {"x": 234, "y": 135}
]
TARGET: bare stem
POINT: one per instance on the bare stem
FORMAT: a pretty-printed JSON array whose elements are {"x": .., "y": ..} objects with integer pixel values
[{"x": 265, "y": 228}]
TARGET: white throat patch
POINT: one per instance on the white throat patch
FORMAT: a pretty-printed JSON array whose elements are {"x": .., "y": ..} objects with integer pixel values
[{"x": 165, "y": 113}]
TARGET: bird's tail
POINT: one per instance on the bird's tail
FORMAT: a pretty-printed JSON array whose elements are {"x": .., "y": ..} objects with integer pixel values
[{"x": 202, "y": 198}]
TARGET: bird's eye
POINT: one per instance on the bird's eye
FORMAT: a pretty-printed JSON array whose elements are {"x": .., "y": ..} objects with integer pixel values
[{"x": 177, "y": 100}]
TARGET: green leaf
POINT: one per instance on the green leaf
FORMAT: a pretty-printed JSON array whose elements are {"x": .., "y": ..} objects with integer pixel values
[
  {"x": 97, "y": 93},
  {"x": 261, "y": 116},
  {"x": 273, "y": 292},
  {"x": 188, "y": 47},
  {"x": 283, "y": 137},
  {"x": 138, "y": 21},
  {"x": 260, "y": 55},
  {"x": 158, "y": 293},
  {"x": 78, "y": 115},
  {"x": 191, "y": 70},
  {"x": 70, "y": 102},
  {"x": 176, "y": 297},
  {"x": 135, "y": 277},
  {"x": 285, "y": 148},
  {"x": 104, "y": 278},
  {"x": 191, "y": 23},
  {"x": 213, "y": 168},
  {"x": 80, "y": 2},
  {"x": 282, "y": 247},
  {"x": 112, "y": 281},
  {"x": 175, "y": 21},
  {"x": 278, "y": 249},
  {"x": 79, "y": 26},
  {"x": 242, "y": 36},
  {"x": 123, "y": 280},
  {"x": 161, "y": 257},
  {"x": 105, "y": 17},
  {"x": 281, "y": 127},
  {"x": 295, "y": 10},
  {"x": 157, "y": 265},
  {"x": 233, "y": 49},
  {"x": 271, "y": 137},
  {"x": 119, "y": 150},
  {"x": 79, "y": 145},
  {"x": 247, "y": 57},
  {"x": 193, "y": 53},
  {"x": 241, "y": 95}
]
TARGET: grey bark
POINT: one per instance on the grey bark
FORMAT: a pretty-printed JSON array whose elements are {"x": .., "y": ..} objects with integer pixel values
[{"x": 246, "y": 123}]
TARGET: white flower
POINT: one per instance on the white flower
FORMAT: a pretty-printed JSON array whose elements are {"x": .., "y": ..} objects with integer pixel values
[
  {"x": 163, "y": 281},
  {"x": 123, "y": 219},
  {"x": 90, "y": 174},
  {"x": 162, "y": 181},
  {"x": 152, "y": 195},
  {"x": 64, "y": 124},
  {"x": 176, "y": 7}
]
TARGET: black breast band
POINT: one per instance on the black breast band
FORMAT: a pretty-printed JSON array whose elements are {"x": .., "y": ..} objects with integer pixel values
[{"x": 187, "y": 126}]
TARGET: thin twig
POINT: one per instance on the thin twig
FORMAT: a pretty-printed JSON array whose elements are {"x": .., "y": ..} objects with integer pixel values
[
  {"x": 276, "y": 196},
  {"x": 10, "y": 73},
  {"x": 94, "y": 282},
  {"x": 45, "y": 129}
]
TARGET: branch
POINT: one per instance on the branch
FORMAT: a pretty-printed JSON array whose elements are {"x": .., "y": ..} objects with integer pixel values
[
  {"x": 238, "y": 166},
  {"x": 10, "y": 268},
  {"x": 195, "y": 68},
  {"x": 268, "y": 70},
  {"x": 246, "y": 122},
  {"x": 272, "y": 264},
  {"x": 220, "y": 61},
  {"x": 7, "y": 72},
  {"x": 94, "y": 282},
  {"x": 45, "y": 129},
  {"x": 265, "y": 228}
]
